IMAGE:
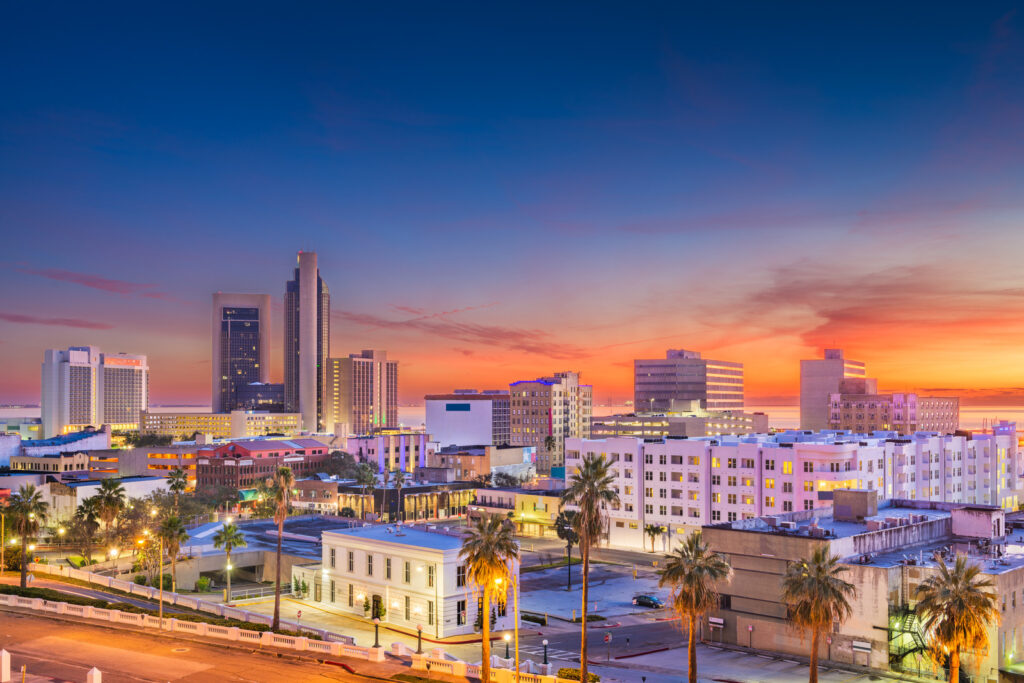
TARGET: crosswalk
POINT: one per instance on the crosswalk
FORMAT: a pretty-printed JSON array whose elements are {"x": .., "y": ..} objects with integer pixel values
[{"x": 537, "y": 651}]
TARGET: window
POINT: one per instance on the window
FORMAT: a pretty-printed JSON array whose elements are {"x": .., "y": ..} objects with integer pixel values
[
  {"x": 351, "y": 595},
  {"x": 648, "y": 476},
  {"x": 716, "y": 516},
  {"x": 731, "y": 481},
  {"x": 369, "y": 564},
  {"x": 769, "y": 483},
  {"x": 731, "y": 463},
  {"x": 460, "y": 611},
  {"x": 808, "y": 505},
  {"x": 808, "y": 486},
  {"x": 649, "y": 509},
  {"x": 332, "y": 590},
  {"x": 387, "y": 568},
  {"x": 787, "y": 467},
  {"x": 769, "y": 465},
  {"x": 662, "y": 510},
  {"x": 769, "y": 501},
  {"x": 787, "y": 487},
  {"x": 731, "y": 517},
  {"x": 715, "y": 462},
  {"x": 408, "y": 573},
  {"x": 716, "y": 480},
  {"x": 408, "y": 608},
  {"x": 648, "y": 459},
  {"x": 662, "y": 476},
  {"x": 787, "y": 506},
  {"x": 430, "y": 577},
  {"x": 333, "y": 553},
  {"x": 430, "y": 612},
  {"x": 351, "y": 561},
  {"x": 731, "y": 499},
  {"x": 460, "y": 576},
  {"x": 808, "y": 467},
  {"x": 662, "y": 459}
]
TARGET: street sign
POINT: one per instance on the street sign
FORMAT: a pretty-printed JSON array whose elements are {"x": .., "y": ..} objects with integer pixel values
[
  {"x": 607, "y": 637},
  {"x": 298, "y": 615}
]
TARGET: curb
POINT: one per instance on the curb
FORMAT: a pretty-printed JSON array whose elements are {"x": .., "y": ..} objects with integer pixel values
[
  {"x": 640, "y": 654},
  {"x": 615, "y": 625}
]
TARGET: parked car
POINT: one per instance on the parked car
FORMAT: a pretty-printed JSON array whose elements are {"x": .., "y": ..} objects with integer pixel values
[{"x": 647, "y": 601}]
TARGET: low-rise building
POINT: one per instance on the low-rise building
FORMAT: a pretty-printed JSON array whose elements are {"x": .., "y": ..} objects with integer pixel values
[
  {"x": 468, "y": 416},
  {"x": 682, "y": 484},
  {"x": 659, "y": 425},
  {"x": 470, "y": 462},
  {"x": 859, "y": 407},
  {"x": 237, "y": 424},
  {"x": 243, "y": 464},
  {"x": 887, "y": 552},
  {"x": 533, "y": 511},
  {"x": 85, "y": 440},
  {"x": 392, "y": 449},
  {"x": 64, "y": 495},
  {"x": 406, "y": 576},
  {"x": 75, "y": 461}
]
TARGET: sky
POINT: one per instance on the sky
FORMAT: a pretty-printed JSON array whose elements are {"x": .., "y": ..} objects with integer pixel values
[{"x": 498, "y": 192}]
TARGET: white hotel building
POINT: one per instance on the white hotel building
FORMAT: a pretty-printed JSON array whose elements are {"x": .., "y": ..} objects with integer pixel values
[
  {"x": 415, "y": 575},
  {"x": 682, "y": 484}
]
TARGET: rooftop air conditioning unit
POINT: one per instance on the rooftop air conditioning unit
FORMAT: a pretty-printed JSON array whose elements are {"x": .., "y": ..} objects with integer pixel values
[{"x": 787, "y": 525}]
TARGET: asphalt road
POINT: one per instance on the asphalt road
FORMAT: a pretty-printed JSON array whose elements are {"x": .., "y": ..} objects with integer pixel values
[
  {"x": 66, "y": 651},
  {"x": 94, "y": 593},
  {"x": 627, "y": 639}
]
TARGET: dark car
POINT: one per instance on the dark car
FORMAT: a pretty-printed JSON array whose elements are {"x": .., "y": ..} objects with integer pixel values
[{"x": 647, "y": 601}]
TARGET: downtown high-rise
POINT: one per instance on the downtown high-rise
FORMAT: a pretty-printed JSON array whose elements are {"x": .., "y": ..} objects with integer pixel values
[
  {"x": 684, "y": 382},
  {"x": 360, "y": 393},
  {"x": 307, "y": 341},
  {"x": 546, "y": 411},
  {"x": 241, "y": 347}
]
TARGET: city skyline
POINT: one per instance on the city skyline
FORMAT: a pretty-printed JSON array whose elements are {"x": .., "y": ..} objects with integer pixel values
[{"x": 573, "y": 195}]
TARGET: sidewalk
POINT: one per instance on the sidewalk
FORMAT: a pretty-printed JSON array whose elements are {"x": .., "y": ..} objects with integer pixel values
[{"x": 611, "y": 591}]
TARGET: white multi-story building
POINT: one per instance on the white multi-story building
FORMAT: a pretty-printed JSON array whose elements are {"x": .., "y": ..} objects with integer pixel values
[
  {"x": 682, "y": 484},
  {"x": 558, "y": 406},
  {"x": 469, "y": 418},
  {"x": 360, "y": 393},
  {"x": 683, "y": 381},
  {"x": 819, "y": 379},
  {"x": 83, "y": 387},
  {"x": 406, "y": 576}
]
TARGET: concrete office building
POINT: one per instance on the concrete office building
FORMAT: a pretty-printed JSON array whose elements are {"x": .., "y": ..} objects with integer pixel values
[
  {"x": 307, "y": 341},
  {"x": 83, "y": 387},
  {"x": 234, "y": 425},
  {"x": 658, "y": 425},
  {"x": 241, "y": 346},
  {"x": 557, "y": 406},
  {"x": 256, "y": 396},
  {"x": 392, "y": 450},
  {"x": 411, "y": 576},
  {"x": 681, "y": 484},
  {"x": 468, "y": 417},
  {"x": 682, "y": 381},
  {"x": 819, "y": 379},
  {"x": 888, "y": 550},
  {"x": 470, "y": 462},
  {"x": 360, "y": 393}
]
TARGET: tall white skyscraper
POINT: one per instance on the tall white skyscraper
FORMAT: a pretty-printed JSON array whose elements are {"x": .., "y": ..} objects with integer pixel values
[
  {"x": 819, "y": 378},
  {"x": 83, "y": 387},
  {"x": 361, "y": 393},
  {"x": 307, "y": 341},
  {"x": 241, "y": 346}
]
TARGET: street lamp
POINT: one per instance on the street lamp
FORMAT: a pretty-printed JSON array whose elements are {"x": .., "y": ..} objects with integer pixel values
[
  {"x": 60, "y": 539},
  {"x": 419, "y": 639},
  {"x": 376, "y": 631},
  {"x": 507, "y": 638},
  {"x": 545, "y": 642}
]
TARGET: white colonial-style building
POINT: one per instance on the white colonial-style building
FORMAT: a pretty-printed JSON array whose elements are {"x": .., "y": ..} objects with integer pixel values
[{"x": 407, "y": 576}]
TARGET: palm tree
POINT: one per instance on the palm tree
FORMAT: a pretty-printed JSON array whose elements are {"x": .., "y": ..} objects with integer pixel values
[
  {"x": 281, "y": 495},
  {"x": 590, "y": 491},
  {"x": 653, "y": 531},
  {"x": 549, "y": 445},
  {"x": 399, "y": 483},
  {"x": 28, "y": 511},
  {"x": 367, "y": 478},
  {"x": 488, "y": 550},
  {"x": 693, "y": 572},
  {"x": 229, "y": 537},
  {"x": 565, "y": 528},
  {"x": 174, "y": 535},
  {"x": 112, "y": 501},
  {"x": 385, "y": 480},
  {"x": 956, "y": 606},
  {"x": 177, "y": 482},
  {"x": 816, "y": 597},
  {"x": 85, "y": 520}
]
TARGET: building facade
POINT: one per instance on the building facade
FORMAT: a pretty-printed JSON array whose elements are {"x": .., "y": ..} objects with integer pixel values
[
  {"x": 469, "y": 417},
  {"x": 657, "y": 426},
  {"x": 470, "y": 462},
  {"x": 260, "y": 397},
  {"x": 234, "y": 425},
  {"x": 307, "y": 341},
  {"x": 244, "y": 464},
  {"x": 392, "y": 450},
  {"x": 57, "y": 462},
  {"x": 682, "y": 381},
  {"x": 682, "y": 484},
  {"x": 83, "y": 387},
  {"x": 558, "y": 407},
  {"x": 904, "y": 413},
  {"x": 241, "y": 346},
  {"x": 405, "y": 576},
  {"x": 819, "y": 379},
  {"x": 361, "y": 393}
]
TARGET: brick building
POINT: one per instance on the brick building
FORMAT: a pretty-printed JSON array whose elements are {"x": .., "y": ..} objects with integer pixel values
[{"x": 243, "y": 464}]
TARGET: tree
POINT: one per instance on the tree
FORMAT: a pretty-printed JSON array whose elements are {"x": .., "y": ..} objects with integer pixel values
[
  {"x": 174, "y": 536},
  {"x": 653, "y": 531},
  {"x": 816, "y": 597},
  {"x": 385, "y": 480},
  {"x": 590, "y": 491},
  {"x": 399, "y": 483},
  {"x": 177, "y": 482},
  {"x": 549, "y": 443},
  {"x": 85, "y": 524},
  {"x": 28, "y": 511},
  {"x": 565, "y": 527},
  {"x": 956, "y": 606},
  {"x": 366, "y": 477},
  {"x": 693, "y": 573},
  {"x": 112, "y": 501},
  {"x": 340, "y": 464},
  {"x": 506, "y": 480},
  {"x": 346, "y": 512},
  {"x": 281, "y": 495},
  {"x": 488, "y": 550},
  {"x": 229, "y": 537}
]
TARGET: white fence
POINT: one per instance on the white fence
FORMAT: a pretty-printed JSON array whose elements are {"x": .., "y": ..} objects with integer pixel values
[
  {"x": 197, "y": 629},
  {"x": 177, "y": 599}
]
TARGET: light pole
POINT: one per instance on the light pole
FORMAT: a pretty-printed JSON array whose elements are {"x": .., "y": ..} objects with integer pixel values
[
  {"x": 3, "y": 541},
  {"x": 60, "y": 541},
  {"x": 507, "y": 638},
  {"x": 419, "y": 639},
  {"x": 376, "y": 631},
  {"x": 160, "y": 568},
  {"x": 545, "y": 642}
]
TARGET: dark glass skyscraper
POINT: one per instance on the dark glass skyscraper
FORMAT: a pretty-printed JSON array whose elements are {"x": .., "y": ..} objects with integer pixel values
[
  {"x": 241, "y": 346},
  {"x": 307, "y": 341}
]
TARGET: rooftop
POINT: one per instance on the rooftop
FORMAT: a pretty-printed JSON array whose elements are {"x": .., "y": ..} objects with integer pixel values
[
  {"x": 402, "y": 535},
  {"x": 61, "y": 440}
]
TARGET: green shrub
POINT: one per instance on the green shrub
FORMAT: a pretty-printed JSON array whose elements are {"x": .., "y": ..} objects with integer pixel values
[
  {"x": 573, "y": 674},
  {"x": 535, "y": 618},
  {"x": 203, "y": 584},
  {"x": 590, "y": 618},
  {"x": 141, "y": 579},
  {"x": 167, "y": 581}
]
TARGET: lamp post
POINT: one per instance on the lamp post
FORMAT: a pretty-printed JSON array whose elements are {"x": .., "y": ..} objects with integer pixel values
[
  {"x": 160, "y": 568},
  {"x": 376, "y": 631},
  {"x": 60, "y": 541},
  {"x": 3, "y": 541},
  {"x": 507, "y": 638},
  {"x": 545, "y": 642},
  {"x": 419, "y": 639}
]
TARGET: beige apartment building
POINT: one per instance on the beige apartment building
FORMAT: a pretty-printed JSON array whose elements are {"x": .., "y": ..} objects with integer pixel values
[
  {"x": 860, "y": 408},
  {"x": 360, "y": 393},
  {"x": 237, "y": 424},
  {"x": 558, "y": 407},
  {"x": 657, "y": 426}
]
